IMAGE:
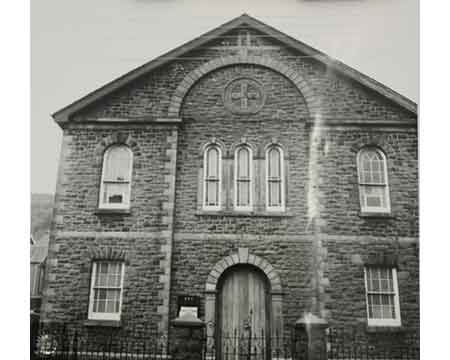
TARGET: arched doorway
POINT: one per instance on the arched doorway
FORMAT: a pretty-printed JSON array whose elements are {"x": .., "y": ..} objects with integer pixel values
[
  {"x": 234, "y": 272},
  {"x": 244, "y": 314}
]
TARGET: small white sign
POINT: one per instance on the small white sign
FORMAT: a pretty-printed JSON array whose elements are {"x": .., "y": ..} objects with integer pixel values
[{"x": 188, "y": 310}]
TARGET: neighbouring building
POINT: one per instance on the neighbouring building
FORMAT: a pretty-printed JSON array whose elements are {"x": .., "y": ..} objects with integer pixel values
[
  {"x": 249, "y": 171},
  {"x": 38, "y": 255}
]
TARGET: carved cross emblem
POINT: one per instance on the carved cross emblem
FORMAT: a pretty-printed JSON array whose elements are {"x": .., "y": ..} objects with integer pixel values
[{"x": 244, "y": 96}]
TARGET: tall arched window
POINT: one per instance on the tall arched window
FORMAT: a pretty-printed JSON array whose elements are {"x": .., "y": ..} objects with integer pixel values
[
  {"x": 116, "y": 178},
  {"x": 212, "y": 178},
  {"x": 274, "y": 179},
  {"x": 243, "y": 184},
  {"x": 373, "y": 180}
]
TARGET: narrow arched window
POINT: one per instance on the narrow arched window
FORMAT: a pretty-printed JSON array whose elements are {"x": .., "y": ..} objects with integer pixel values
[
  {"x": 275, "y": 179},
  {"x": 373, "y": 180},
  {"x": 243, "y": 183},
  {"x": 116, "y": 178},
  {"x": 212, "y": 178}
]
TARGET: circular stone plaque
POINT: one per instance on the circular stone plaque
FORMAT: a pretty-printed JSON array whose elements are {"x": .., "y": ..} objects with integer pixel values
[{"x": 244, "y": 96}]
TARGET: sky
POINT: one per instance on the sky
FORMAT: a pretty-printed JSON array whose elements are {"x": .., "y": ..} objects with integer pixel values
[{"x": 78, "y": 46}]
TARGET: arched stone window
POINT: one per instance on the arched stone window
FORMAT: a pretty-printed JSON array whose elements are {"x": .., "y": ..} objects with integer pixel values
[
  {"x": 212, "y": 173},
  {"x": 116, "y": 178},
  {"x": 275, "y": 197},
  {"x": 373, "y": 181},
  {"x": 243, "y": 178}
]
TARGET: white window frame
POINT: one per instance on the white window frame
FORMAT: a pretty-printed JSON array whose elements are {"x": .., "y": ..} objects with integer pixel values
[
  {"x": 205, "y": 180},
  {"x": 126, "y": 205},
  {"x": 280, "y": 207},
  {"x": 236, "y": 165},
  {"x": 104, "y": 316},
  {"x": 384, "y": 322},
  {"x": 362, "y": 186}
]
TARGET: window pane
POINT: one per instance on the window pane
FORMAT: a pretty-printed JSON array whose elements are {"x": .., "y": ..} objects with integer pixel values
[
  {"x": 113, "y": 281},
  {"x": 274, "y": 163},
  {"x": 372, "y": 280},
  {"x": 370, "y": 307},
  {"x": 365, "y": 164},
  {"x": 100, "y": 300},
  {"x": 243, "y": 163},
  {"x": 386, "y": 312},
  {"x": 115, "y": 193},
  {"x": 114, "y": 268},
  {"x": 365, "y": 177},
  {"x": 274, "y": 193},
  {"x": 374, "y": 196},
  {"x": 212, "y": 163},
  {"x": 387, "y": 308},
  {"x": 371, "y": 168},
  {"x": 112, "y": 301},
  {"x": 212, "y": 193},
  {"x": 100, "y": 276},
  {"x": 376, "y": 299},
  {"x": 118, "y": 163},
  {"x": 376, "y": 312},
  {"x": 243, "y": 193}
]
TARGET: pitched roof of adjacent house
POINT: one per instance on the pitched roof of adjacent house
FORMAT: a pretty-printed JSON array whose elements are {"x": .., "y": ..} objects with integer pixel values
[{"x": 64, "y": 113}]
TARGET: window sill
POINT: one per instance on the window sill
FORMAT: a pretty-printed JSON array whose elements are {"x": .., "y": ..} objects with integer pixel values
[
  {"x": 375, "y": 215},
  {"x": 103, "y": 323},
  {"x": 385, "y": 329},
  {"x": 104, "y": 211},
  {"x": 236, "y": 213}
]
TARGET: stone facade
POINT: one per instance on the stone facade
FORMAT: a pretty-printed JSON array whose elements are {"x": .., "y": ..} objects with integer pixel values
[{"x": 314, "y": 251}]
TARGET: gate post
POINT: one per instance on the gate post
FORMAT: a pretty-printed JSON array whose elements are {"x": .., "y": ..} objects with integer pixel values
[
  {"x": 311, "y": 330},
  {"x": 34, "y": 332},
  {"x": 189, "y": 339}
]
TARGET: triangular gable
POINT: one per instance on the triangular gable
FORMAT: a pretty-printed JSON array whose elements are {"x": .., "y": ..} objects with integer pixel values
[{"x": 332, "y": 64}]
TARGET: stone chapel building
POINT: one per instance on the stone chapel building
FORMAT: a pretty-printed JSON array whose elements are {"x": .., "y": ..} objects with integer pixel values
[{"x": 244, "y": 168}]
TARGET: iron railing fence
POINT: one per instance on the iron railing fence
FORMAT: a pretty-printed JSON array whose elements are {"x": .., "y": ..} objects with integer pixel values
[
  {"x": 378, "y": 344},
  {"x": 61, "y": 342},
  {"x": 246, "y": 345},
  {"x": 82, "y": 343}
]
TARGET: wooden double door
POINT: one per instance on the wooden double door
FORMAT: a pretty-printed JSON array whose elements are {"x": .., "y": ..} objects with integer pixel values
[{"x": 243, "y": 326}]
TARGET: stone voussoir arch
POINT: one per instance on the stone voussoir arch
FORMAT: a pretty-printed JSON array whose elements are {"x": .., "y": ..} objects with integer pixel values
[
  {"x": 244, "y": 257},
  {"x": 116, "y": 138},
  {"x": 191, "y": 78}
]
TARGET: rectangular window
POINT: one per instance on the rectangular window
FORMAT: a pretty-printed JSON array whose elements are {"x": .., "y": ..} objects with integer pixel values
[
  {"x": 106, "y": 290},
  {"x": 383, "y": 308}
]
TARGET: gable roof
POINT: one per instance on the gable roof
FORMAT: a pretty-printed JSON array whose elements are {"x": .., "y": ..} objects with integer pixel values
[{"x": 63, "y": 114}]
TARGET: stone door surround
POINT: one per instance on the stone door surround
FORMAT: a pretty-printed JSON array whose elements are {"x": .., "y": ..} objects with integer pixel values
[{"x": 242, "y": 256}]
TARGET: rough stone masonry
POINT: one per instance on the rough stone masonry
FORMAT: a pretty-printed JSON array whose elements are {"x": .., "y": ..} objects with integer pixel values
[{"x": 167, "y": 115}]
